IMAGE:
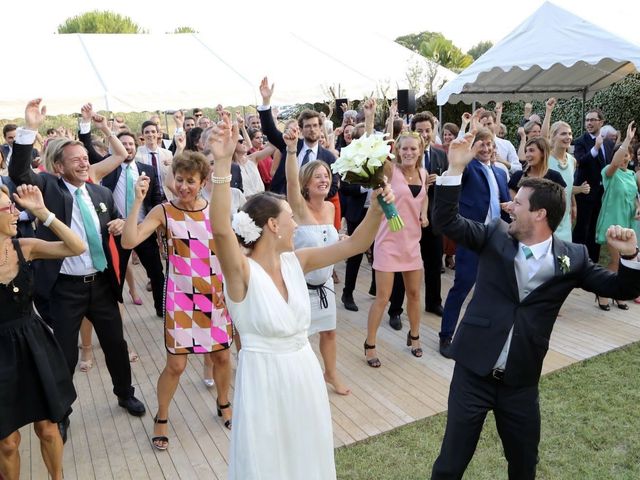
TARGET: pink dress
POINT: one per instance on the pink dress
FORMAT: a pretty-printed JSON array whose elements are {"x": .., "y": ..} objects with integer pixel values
[{"x": 400, "y": 251}]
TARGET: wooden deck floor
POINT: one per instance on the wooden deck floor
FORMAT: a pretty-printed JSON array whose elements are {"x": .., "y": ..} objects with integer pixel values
[{"x": 107, "y": 443}]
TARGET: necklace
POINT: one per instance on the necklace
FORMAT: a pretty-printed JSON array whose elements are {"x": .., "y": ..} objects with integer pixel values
[{"x": 563, "y": 162}]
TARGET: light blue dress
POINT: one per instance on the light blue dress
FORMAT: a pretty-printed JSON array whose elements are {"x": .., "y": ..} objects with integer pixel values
[{"x": 563, "y": 231}]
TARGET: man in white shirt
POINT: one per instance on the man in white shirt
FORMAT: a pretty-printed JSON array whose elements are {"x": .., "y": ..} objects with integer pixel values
[
  {"x": 159, "y": 158},
  {"x": 505, "y": 151}
]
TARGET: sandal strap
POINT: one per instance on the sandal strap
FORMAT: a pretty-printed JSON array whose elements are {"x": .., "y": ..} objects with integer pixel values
[
  {"x": 368, "y": 347},
  {"x": 226, "y": 405},
  {"x": 160, "y": 421},
  {"x": 417, "y": 337}
]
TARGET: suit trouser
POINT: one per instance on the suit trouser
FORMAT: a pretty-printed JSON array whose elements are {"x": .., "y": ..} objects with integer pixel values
[
  {"x": 71, "y": 300},
  {"x": 149, "y": 255},
  {"x": 463, "y": 281},
  {"x": 431, "y": 251},
  {"x": 353, "y": 263},
  {"x": 517, "y": 415},
  {"x": 588, "y": 210}
]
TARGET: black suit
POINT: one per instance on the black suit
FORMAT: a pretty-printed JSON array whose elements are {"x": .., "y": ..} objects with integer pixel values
[
  {"x": 63, "y": 300},
  {"x": 353, "y": 213},
  {"x": 589, "y": 169},
  {"x": 148, "y": 250},
  {"x": 430, "y": 245},
  {"x": 279, "y": 180},
  {"x": 496, "y": 308}
]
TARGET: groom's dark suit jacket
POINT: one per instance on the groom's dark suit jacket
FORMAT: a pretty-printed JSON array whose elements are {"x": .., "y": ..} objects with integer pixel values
[
  {"x": 58, "y": 200},
  {"x": 496, "y": 304}
]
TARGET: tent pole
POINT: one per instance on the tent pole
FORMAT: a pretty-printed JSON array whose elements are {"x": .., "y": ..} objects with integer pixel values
[
  {"x": 440, "y": 118},
  {"x": 584, "y": 99}
]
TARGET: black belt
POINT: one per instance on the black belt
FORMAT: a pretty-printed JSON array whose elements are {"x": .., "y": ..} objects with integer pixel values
[
  {"x": 497, "y": 374},
  {"x": 322, "y": 293},
  {"x": 92, "y": 277}
]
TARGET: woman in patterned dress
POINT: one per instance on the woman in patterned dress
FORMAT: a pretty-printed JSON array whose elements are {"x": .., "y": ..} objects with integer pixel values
[{"x": 196, "y": 317}]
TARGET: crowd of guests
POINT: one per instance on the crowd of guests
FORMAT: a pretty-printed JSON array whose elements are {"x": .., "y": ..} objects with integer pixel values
[{"x": 86, "y": 204}]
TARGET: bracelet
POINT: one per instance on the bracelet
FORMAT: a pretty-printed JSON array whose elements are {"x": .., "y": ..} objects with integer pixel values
[
  {"x": 293, "y": 152},
  {"x": 50, "y": 218},
  {"x": 633, "y": 256},
  {"x": 220, "y": 180}
]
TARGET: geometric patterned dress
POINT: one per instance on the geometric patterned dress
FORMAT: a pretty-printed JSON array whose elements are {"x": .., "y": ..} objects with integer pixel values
[{"x": 196, "y": 317}]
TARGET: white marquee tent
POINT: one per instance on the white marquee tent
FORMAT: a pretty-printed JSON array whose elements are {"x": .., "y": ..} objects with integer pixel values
[
  {"x": 123, "y": 73},
  {"x": 552, "y": 53}
]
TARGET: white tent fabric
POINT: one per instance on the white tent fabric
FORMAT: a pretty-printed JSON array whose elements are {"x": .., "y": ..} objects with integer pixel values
[
  {"x": 552, "y": 53},
  {"x": 124, "y": 73}
]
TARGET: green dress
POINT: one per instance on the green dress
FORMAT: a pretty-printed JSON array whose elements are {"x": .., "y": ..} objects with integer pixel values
[{"x": 618, "y": 202}]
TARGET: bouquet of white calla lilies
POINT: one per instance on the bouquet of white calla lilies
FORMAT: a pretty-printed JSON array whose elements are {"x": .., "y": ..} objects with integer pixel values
[{"x": 362, "y": 163}]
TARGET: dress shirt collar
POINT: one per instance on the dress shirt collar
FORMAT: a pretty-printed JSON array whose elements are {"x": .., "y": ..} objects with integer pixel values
[{"x": 539, "y": 250}]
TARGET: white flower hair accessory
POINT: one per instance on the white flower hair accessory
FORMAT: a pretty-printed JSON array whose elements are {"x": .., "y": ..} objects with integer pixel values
[{"x": 244, "y": 226}]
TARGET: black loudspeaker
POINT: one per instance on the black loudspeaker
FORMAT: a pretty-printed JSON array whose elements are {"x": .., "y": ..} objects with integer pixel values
[
  {"x": 406, "y": 102},
  {"x": 338, "y": 109}
]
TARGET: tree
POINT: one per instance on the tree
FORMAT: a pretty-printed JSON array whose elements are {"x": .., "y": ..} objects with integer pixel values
[
  {"x": 414, "y": 40},
  {"x": 99, "y": 21},
  {"x": 184, "y": 30},
  {"x": 478, "y": 49},
  {"x": 442, "y": 51}
]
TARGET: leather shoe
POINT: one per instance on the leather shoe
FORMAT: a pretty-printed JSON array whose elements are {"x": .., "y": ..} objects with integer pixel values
[
  {"x": 437, "y": 310},
  {"x": 395, "y": 322},
  {"x": 132, "y": 405},
  {"x": 445, "y": 343},
  {"x": 349, "y": 304},
  {"x": 63, "y": 426}
]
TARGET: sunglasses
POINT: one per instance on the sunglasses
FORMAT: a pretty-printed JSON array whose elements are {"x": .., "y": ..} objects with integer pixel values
[{"x": 11, "y": 208}]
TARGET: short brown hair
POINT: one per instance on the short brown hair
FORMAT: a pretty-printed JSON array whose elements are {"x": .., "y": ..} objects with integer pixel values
[
  {"x": 191, "y": 162},
  {"x": 548, "y": 195},
  {"x": 306, "y": 172},
  {"x": 422, "y": 117},
  {"x": 307, "y": 114}
]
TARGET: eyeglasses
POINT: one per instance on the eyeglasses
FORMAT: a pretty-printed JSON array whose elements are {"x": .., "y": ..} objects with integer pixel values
[
  {"x": 592, "y": 119},
  {"x": 11, "y": 208}
]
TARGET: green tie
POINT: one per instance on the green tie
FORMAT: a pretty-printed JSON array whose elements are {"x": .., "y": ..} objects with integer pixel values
[
  {"x": 130, "y": 191},
  {"x": 527, "y": 252},
  {"x": 95, "y": 246}
]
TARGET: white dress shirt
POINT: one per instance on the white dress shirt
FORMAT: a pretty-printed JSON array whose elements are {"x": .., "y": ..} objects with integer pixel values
[
  {"x": 312, "y": 156},
  {"x": 120, "y": 192}
]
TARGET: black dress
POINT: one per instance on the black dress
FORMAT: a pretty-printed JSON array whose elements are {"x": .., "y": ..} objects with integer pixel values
[{"x": 34, "y": 379}]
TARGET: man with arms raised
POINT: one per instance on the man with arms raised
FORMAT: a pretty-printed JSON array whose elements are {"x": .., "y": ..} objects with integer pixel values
[{"x": 524, "y": 276}]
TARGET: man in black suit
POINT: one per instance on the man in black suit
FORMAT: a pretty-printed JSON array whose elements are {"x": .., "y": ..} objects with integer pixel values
[
  {"x": 593, "y": 153},
  {"x": 308, "y": 147},
  {"x": 86, "y": 285},
  {"x": 117, "y": 181},
  {"x": 435, "y": 162},
  {"x": 524, "y": 276}
]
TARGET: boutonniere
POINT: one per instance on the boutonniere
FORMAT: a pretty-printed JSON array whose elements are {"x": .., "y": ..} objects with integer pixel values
[
  {"x": 102, "y": 208},
  {"x": 565, "y": 264}
]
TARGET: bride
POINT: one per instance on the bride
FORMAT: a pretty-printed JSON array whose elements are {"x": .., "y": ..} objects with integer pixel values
[{"x": 281, "y": 421}]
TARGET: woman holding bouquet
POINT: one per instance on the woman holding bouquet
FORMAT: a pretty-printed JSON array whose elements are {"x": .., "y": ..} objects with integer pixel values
[
  {"x": 282, "y": 421},
  {"x": 399, "y": 251}
]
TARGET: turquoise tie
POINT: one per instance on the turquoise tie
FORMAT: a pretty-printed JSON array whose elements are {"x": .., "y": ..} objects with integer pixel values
[
  {"x": 130, "y": 191},
  {"x": 494, "y": 193},
  {"x": 527, "y": 252},
  {"x": 95, "y": 246}
]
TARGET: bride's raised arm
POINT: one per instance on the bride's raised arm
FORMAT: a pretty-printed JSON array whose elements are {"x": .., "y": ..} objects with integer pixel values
[{"x": 222, "y": 143}]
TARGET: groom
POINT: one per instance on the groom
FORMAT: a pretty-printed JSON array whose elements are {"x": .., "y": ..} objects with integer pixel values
[{"x": 524, "y": 276}]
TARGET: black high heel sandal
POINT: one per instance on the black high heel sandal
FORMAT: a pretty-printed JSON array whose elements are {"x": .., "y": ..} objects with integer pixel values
[
  {"x": 161, "y": 438},
  {"x": 372, "y": 362},
  {"x": 416, "y": 352},
  {"x": 621, "y": 306},
  {"x": 605, "y": 307},
  {"x": 219, "y": 408}
]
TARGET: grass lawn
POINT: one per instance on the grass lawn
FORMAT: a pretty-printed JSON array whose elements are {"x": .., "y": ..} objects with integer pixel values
[{"x": 590, "y": 430}]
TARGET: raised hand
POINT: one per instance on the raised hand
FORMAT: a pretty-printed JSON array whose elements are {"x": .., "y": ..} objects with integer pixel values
[
  {"x": 466, "y": 118},
  {"x": 461, "y": 152},
  {"x": 101, "y": 123},
  {"x": 34, "y": 115},
  {"x": 142, "y": 186},
  {"x": 344, "y": 107},
  {"x": 29, "y": 197},
  {"x": 551, "y": 103},
  {"x": 181, "y": 142},
  {"x": 223, "y": 139},
  {"x": 599, "y": 141},
  {"x": 631, "y": 131},
  {"x": 266, "y": 91},
  {"x": 369, "y": 108},
  {"x": 521, "y": 133},
  {"x": 178, "y": 118},
  {"x": 393, "y": 109},
  {"x": 86, "y": 113},
  {"x": 290, "y": 137},
  {"x": 498, "y": 108},
  {"x": 622, "y": 239},
  {"x": 528, "y": 108},
  {"x": 239, "y": 120}
]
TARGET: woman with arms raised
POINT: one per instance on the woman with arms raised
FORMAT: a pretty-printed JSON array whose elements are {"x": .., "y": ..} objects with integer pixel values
[
  {"x": 35, "y": 384},
  {"x": 282, "y": 421}
]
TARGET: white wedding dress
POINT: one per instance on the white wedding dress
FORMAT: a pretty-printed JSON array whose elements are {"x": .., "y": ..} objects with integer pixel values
[{"x": 281, "y": 416}]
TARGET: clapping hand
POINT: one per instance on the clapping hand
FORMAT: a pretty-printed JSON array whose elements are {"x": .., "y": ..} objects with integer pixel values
[
  {"x": 34, "y": 115},
  {"x": 29, "y": 198},
  {"x": 599, "y": 141}
]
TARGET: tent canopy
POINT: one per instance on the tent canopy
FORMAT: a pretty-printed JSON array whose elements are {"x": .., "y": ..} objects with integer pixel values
[
  {"x": 553, "y": 53},
  {"x": 145, "y": 72}
]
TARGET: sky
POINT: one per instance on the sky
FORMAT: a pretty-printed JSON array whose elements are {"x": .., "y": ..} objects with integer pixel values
[{"x": 466, "y": 22}]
